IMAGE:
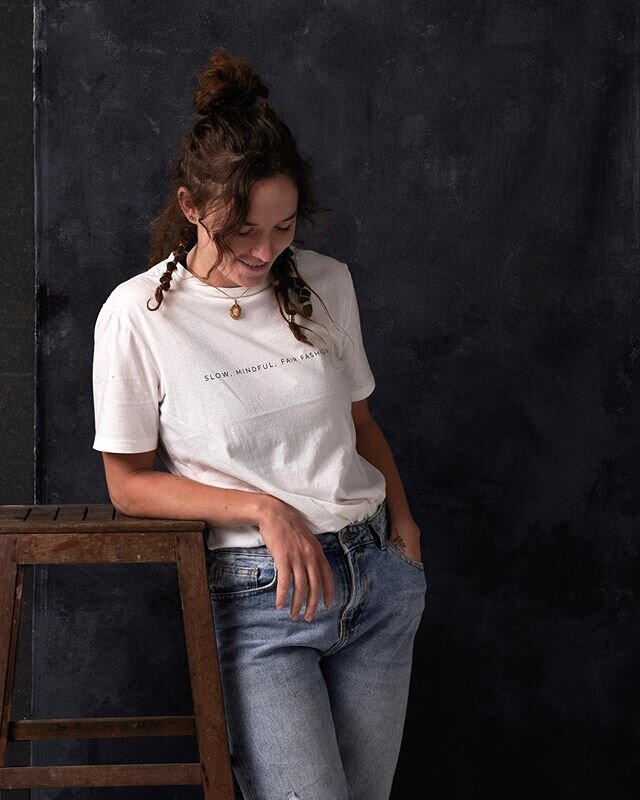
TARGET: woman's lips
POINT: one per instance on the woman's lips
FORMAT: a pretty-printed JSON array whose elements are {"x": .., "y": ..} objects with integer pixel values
[{"x": 253, "y": 266}]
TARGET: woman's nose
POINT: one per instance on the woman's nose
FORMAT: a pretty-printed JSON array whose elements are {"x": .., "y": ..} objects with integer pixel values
[{"x": 264, "y": 249}]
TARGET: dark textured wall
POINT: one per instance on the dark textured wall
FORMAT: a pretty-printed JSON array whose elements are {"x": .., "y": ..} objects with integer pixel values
[
  {"x": 17, "y": 334},
  {"x": 17, "y": 265},
  {"x": 482, "y": 161}
]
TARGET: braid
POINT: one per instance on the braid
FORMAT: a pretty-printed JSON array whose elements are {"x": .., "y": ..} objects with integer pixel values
[
  {"x": 287, "y": 281},
  {"x": 165, "y": 278}
]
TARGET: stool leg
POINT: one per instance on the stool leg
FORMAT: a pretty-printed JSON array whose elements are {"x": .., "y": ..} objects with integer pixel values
[
  {"x": 10, "y": 596},
  {"x": 206, "y": 690}
]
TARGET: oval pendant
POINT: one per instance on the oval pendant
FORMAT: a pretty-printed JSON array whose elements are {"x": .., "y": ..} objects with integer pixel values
[{"x": 235, "y": 311}]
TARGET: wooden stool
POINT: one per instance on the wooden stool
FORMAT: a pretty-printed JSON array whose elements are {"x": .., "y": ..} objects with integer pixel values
[{"x": 74, "y": 534}]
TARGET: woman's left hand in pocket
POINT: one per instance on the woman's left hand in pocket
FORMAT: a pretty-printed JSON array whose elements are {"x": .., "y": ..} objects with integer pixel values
[{"x": 405, "y": 537}]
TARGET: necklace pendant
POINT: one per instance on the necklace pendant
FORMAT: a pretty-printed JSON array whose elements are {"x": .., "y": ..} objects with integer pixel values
[{"x": 235, "y": 311}]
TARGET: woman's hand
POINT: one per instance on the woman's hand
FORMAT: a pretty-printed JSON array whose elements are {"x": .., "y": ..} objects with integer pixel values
[
  {"x": 297, "y": 554},
  {"x": 405, "y": 537}
]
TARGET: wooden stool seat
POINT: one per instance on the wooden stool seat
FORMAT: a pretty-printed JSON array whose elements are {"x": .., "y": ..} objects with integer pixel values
[{"x": 94, "y": 534}]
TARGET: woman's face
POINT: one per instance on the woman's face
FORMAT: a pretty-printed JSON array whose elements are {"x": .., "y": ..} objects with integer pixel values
[{"x": 269, "y": 229}]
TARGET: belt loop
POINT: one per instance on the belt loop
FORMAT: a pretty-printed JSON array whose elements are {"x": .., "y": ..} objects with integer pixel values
[{"x": 378, "y": 523}]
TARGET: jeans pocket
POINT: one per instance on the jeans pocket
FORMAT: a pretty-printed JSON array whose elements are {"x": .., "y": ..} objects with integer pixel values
[
  {"x": 396, "y": 552},
  {"x": 240, "y": 572}
]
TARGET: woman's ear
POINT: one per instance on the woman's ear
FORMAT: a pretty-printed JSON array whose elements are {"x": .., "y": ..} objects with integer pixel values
[{"x": 189, "y": 210}]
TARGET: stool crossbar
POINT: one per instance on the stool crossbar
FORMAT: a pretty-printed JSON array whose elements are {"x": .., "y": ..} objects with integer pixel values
[{"x": 94, "y": 534}]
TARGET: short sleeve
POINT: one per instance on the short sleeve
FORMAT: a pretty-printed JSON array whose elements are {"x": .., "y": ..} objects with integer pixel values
[
  {"x": 361, "y": 378},
  {"x": 126, "y": 386}
]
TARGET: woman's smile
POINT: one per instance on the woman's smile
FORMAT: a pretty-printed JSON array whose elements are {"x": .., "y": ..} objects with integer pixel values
[{"x": 254, "y": 267}]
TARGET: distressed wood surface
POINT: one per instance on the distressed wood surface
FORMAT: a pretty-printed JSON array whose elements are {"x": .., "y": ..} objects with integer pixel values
[
  {"x": 97, "y": 548},
  {"x": 77, "y": 534},
  {"x": 109, "y": 775},
  {"x": 5, "y": 714},
  {"x": 9, "y": 589},
  {"x": 100, "y": 728},
  {"x": 97, "y": 518},
  {"x": 217, "y": 780}
]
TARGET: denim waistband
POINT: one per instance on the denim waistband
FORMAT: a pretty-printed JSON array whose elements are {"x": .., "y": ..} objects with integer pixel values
[{"x": 371, "y": 529}]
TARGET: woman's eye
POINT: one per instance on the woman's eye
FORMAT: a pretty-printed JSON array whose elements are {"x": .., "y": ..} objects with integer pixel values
[{"x": 282, "y": 230}]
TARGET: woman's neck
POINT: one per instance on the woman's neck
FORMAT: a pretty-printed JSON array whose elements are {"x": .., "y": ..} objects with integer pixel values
[{"x": 199, "y": 264}]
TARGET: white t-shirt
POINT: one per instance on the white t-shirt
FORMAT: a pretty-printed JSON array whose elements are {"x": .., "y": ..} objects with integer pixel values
[{"x": 240, "y": 404}]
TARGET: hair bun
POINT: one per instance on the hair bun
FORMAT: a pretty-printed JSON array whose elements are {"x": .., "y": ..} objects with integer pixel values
[{"x": 227, "y": 82}]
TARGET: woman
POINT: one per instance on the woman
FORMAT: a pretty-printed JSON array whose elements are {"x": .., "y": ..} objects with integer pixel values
[{"x": 238, "y": 360}]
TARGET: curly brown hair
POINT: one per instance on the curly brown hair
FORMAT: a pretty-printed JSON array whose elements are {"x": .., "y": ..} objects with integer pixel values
[{"x": 236, "y": 139}]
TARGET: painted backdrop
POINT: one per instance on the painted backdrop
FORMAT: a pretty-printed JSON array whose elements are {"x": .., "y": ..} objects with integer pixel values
[{"x": 482, "y": 164}]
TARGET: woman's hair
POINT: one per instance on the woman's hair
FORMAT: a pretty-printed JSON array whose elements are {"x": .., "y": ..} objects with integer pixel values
[{"x": 236, "y": 139}]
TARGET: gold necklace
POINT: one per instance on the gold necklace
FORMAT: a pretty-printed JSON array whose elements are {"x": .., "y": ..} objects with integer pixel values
[{"x": 235, "y": 311}]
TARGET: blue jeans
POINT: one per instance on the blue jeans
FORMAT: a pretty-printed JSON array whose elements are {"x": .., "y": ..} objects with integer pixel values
[{"x": 315, "y": 710}]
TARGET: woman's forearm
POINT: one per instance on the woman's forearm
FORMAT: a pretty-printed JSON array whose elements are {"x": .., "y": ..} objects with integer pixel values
[
  {"x": 372, "y": 445},
  {"x": 151, "y": 493}
]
